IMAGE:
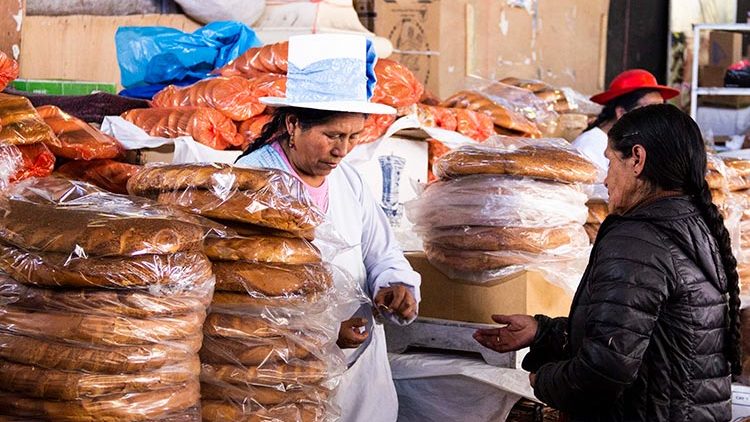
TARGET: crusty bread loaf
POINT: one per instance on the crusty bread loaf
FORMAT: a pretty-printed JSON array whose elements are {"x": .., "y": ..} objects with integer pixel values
[
  {"x": 152, "y": 180},
  {"x": 55, "y": 269},
  {"x": 128, "y": 303},
  {"x": 592, "y": 229},
  {"x": 716, "y": 180},
  {"x": 246, "y": 229},
  {"x": 501, "y": 115},
  {"x": 222, "y": 411},
  {"x": 719, "y": 197},
  {"x": 47, "y": 353},
  {"x": 264, "y": 208},
  {"x": 20, "y": 124},
  {"x": 34, "y": 381},
  {"x": 738, "y": 172},
  {"x": 272, "y": 280},
  {"x": 538, "y": 162},
  {"x": 276, "y": 249},
  {"x": 311, "y": 372},
  {"x": 264, "y": 395},
  {"x": 231, "y": 301},
  {"x": 253, "y": 327},
  {"x": 134, "y": 407},
  {"x": 598, "y": 211},
  {"x": 98, "y": 329},
  {"x": 65, "y": 229},
  {"x": 487, "y": 238},
  {"x": 253, "y": 352},
  {"x": 471, "y": 260}
]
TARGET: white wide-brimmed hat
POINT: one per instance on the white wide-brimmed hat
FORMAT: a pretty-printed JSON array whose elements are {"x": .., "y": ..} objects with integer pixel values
[{"x": 333, "y": 72}]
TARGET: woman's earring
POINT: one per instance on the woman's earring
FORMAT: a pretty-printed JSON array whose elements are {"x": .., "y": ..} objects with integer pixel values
[{"x": 291, "y": 141}]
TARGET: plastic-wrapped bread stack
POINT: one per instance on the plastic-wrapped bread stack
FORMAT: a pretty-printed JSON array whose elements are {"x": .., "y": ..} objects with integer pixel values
[
  {"x": 506, "y": 205},
  {"x": 269, "y": 348},
  {"x": 598, "y": 211},
  {"x": 102, "y": 304},
  {"x": 736, "y": 189}
]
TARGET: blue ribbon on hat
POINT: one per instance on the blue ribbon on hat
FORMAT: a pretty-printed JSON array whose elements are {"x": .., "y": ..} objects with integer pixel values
[{"x": 337, "y": 79}]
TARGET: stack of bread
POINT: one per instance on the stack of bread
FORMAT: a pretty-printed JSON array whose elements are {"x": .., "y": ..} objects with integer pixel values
[
  {"x": 736, "y": 206},
  {"x": 102, "y": 303},
  {"x": 598, "y": 211},
  {"x": 506, "y": 205},
  {"x": 269, "y": 343}
]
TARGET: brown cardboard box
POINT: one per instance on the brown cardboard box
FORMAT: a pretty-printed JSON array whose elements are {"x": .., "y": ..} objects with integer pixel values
[
  {"x": 446, "y": 41},
  {"x": 711, "y": 76},
  {"x": 725, "y": 48},
  {"x": 726, "y": 101},
  {"x": 523, "y": 293},
  {"x": 11, "y": 21}
]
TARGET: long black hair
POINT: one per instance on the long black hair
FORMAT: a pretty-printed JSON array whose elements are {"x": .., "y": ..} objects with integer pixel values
[
  {"x": 628, "y": 102},
  {"x": 276, "y": 130},
  {"x": 677, "y": 161}
]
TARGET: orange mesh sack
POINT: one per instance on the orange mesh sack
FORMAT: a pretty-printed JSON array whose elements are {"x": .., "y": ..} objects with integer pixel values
[
  {"x": 250, "y": 129},
  {"x": 38, "y": 161},
  {"x": 80, "y": 141},
  {"x": 205, "y": 125},
  {"x": 271, "y": 58},
  {"x": 397, "y": 86}
]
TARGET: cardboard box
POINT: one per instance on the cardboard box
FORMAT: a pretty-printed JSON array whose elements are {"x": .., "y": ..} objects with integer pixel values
[
  {"x": 711, "y": 76},
  {"x": 445, "y": 41},
  {"x": 11, "y": 21},
  {"x": 726, "y": 101},
  {"x": 523, "y": 293},
  {"x": 740, "y": 401},
  {"x": 725, "y": 48}
]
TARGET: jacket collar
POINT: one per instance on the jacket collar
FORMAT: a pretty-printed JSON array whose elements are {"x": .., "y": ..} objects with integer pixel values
[{"x": 664, "y": 208}]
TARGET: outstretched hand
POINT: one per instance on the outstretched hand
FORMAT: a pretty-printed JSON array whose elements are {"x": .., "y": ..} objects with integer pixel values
[{"x": 519, "y": 332}]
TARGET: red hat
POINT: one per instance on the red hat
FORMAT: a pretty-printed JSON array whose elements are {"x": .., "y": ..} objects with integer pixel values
[{"x": 629, "y": 81}]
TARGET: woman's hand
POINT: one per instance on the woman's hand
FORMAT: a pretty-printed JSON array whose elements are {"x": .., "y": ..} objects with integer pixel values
[
  {"x": 518, "y": 333},
  {"x": 353, "y": 332},
  {"x": 398, "y": 300}
]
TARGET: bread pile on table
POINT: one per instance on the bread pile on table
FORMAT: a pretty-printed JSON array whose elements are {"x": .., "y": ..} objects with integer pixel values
[
  {"x": 102, "y": 303},
  {"x": 269, "y": 340},
  {"x": 503, "y": 206},
  {"x": 732, "y": 196}
]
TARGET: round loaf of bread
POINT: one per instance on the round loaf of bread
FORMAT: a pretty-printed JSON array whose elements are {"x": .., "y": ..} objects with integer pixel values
[
  {"x": 520, "y": 239},
  {"x": 598, "y": 211},
  {"x": 309, "y": 372},
  {"x": 100, "y": 329},
  {"x": 230, "y": 301},
  {"x": 246, "y": 229},
  {"x": 33, "y": 381},
  {"x": 472, "y": 261},
  {"x": 272, "y": 280},
  {"x": 263, "y": 395},
  {"x": 254, "y": 352},
  {"x": 716, "y": 180},
  {"x": 275, "y": 249},
  {"x": 538, "y": 162},
  {"x": 264, "y": 208},
  {"x": 222, "y": 411},
  {"x": 738, "y": 173},
  {"x": 153, "y": 405},
  {"x": 152, "y": 180},
  {"x": 254, "y": 327},
  {"x": 95, "y": 358},
  {"x": 44, "y": 227},
  {"x": 128, "y": 303},
  {"x": 54, "y": 269}
]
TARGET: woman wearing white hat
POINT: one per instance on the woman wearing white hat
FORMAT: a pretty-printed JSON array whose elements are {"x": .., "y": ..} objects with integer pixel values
[{"x": 329, "y": 81}]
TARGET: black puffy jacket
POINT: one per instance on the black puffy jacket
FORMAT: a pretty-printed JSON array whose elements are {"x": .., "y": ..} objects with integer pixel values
[{"x": 645, "y": 337}]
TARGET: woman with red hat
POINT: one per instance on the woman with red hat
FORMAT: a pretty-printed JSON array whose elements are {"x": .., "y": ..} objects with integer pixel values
[{"x": 629, "y": 90}]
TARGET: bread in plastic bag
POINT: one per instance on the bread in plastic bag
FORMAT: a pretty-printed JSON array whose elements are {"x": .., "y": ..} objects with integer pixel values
[
  {"x": 269, "y": 249},
  {"x": 251, "y": 129},
  {"x": 257, "y": 61},
  {"x": 107, "y": 174},
  {"x": 78, "y": 139},
  {"x": 20, "y": 124},
  {"x": 11, "y": 161},
  {"x": 8, "y": 70},
  {"x": 217, "y": 411},
  {"x": 396, "y": 85},
  {"x": 503, "y": 116},
  {"x": 716, "y": 175},
  {"x": 521, "y": 101},
  {"x": 738, "y": 173},
  {"x": 478, "y": 126},
  {"x": 544, "y": 159},
  {"x": 38, "y": 161},
  {"x": 531, "y": 240},
  {"x": 497, "y": 201},
  {"x": 205, "y": 125},
  {"x": 264, "y": 197}
]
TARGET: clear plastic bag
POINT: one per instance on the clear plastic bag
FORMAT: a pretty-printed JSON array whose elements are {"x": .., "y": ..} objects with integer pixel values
[
  {"x": 738, "y": 173},
  {"x": 38, "y": 161},
  {"x": 716, "y": 175},
  {"x": 544, "y": 159},
  {"x": 503, "y": 116},
  {"x": 20, "y": 124},
  {"x": 264, "y": 197},
  {"x": 204, "y": 124},
  {"x": 11, "y": 161},
  {"x": 270, "y": 58},
  {"x": 497, "y": 201},
  {"x": 396, "y": 84},
  {"x": 478, "y": 126},
  {"x": 78, "y": 139},
  {"x": 109, "y": 175},
  {"x": 522, "y": 101}
]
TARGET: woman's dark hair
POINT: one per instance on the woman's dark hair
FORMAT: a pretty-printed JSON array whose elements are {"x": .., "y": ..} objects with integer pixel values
[
  {"x": 275, "y": 130},
  {"x": 628, "y": 102},
  {"x": 677, "y": 161}
]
